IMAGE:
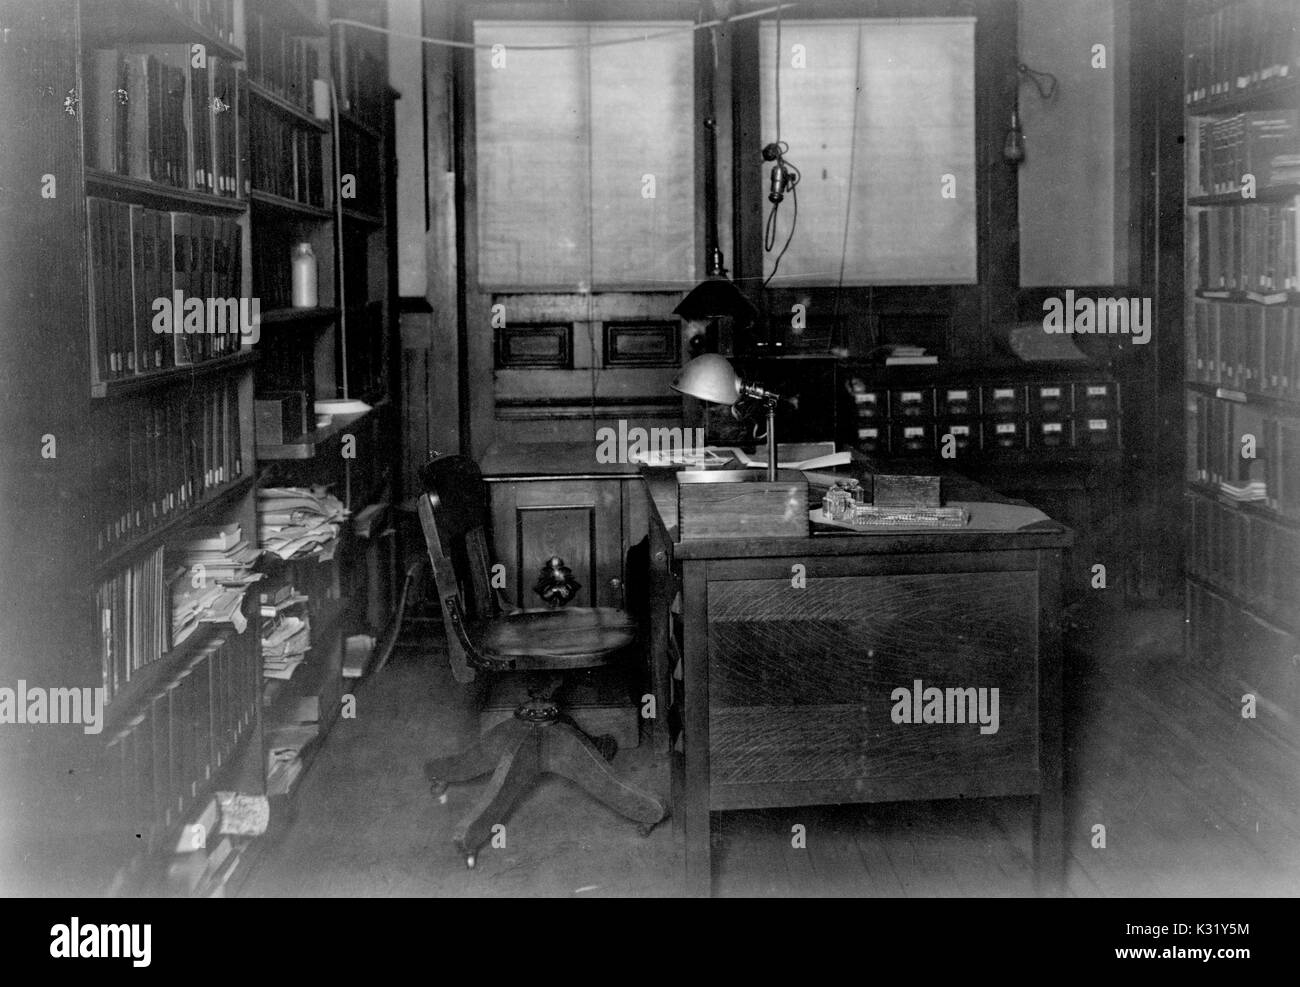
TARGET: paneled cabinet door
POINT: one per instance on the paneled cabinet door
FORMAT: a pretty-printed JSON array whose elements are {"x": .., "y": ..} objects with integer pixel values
[{"x": 579, "y": 520}]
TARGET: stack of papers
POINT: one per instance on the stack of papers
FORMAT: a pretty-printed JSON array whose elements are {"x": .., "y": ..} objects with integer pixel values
[
  {"x": 295, "y": 522},
  {"x": 1245, "y": 491},
  {"x": 215, "y": 570},
  {"x": 285, "y": 641}
]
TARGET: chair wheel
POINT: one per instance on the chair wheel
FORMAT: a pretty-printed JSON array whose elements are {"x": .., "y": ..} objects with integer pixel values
[
  {"x": 438, "y": 789},
  {"x": 470, "y": 860}
]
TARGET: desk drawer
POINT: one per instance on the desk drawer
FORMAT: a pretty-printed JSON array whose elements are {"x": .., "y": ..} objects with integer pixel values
[{"x": 819, "y": 686}]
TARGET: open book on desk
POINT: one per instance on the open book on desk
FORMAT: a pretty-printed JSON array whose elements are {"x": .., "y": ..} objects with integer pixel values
[{"x": 796, "y": 456}]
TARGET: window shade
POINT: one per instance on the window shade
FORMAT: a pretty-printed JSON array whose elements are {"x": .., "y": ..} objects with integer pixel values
[
  {"x": 585, "y": 157},
  {"x": 881, "y": 111}
]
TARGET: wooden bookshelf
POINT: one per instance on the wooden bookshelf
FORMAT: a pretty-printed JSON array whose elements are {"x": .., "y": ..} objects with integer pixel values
[
  {"x": 119, "y": 429},
  {"x": 312, "y": 350},
  {"x": 1243, "y": 558}
]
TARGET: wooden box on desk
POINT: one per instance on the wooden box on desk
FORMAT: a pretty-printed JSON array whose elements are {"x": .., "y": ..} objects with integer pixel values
[{"x": 741, "y": 504}]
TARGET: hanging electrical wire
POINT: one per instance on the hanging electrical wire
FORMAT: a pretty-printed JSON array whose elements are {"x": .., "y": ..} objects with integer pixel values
[
  {"x": 633, "y": 39},
  {"x": 784, "y": 175}
]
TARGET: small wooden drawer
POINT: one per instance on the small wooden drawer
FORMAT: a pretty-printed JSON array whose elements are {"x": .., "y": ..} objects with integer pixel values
[
  {"x": 873, "y": 439},
  {"x": 1051, "y": 433},
  {"x": 912, "y": 438},
  {"x": 965, "y": 434},
  {"x": 1096, "y": 399},
  {"x": 1004, "y": 401},
  {"x": 958, "y": 402},
  {"x": 1096, "y": 433},
  {"x": 867, "y": 402},
  {"x": 1004, "y": 434},
  {"x": 911, "y": 403},
  {"x": 1049, "y": 400}
]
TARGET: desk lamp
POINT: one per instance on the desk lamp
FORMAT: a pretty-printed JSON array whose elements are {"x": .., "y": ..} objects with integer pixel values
[{"x": 711, "y": 378}]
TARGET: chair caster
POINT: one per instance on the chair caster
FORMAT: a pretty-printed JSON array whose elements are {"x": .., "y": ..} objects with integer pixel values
[
  {"x": 645, "y": 829},
  {"x": 438, "y": 789},
  {"x": 470, "y": 860}
]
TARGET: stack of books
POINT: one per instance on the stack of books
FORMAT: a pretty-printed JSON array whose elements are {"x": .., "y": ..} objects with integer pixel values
[
  {"x": 216, "y": 568},
  {"x": 296, "y": 523}
]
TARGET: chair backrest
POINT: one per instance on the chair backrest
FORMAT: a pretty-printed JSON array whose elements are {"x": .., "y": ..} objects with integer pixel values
[{"x": 454, "y": 516}]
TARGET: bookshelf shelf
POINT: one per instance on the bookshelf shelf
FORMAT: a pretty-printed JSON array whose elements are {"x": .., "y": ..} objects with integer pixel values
[
  {"x": 361, "y": 216},
  {"x": 157, "y": 196},
  {"x": 356, "y": 123},
  {"x": 1280, "y": 95},
  {"x": 1270, "y": 614},
  {"x": 307, "y": 445},
  {"x": 1252, "y": 508},
  {"x": 1238, "y": 297},
  {"x": 1285, "y": 405},
  {"x": 148, "y": 21},
  {"x": 220, "y": 501},
  {"x": 154, "y": 675},
  {"x": 1272, "y": 193},
  {"x": 279, "y": 202},
  {"x": 282, "y": 105},
  {"x": 298, "y": 316},
  {"x": 123, "y": 386}
]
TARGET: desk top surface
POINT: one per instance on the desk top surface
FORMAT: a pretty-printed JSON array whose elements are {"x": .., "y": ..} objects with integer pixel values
[{"x": 567, "y": 460}]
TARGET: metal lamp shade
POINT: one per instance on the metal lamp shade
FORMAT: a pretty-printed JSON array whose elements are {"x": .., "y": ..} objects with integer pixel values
[
  {"x": 717, "y": 297},
  {"x": 710, "y": 378}
]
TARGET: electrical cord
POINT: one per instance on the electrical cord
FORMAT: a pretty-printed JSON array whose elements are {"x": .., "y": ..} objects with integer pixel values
[{"x": 785, "y": 176}]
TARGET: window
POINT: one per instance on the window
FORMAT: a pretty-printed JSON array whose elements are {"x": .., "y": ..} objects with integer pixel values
[
  {"x": 878, "y": 114},
  {"x": 585, "y": 156}
]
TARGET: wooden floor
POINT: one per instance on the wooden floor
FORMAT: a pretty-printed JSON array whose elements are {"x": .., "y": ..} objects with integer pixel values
[{"x": 1194, "y": 799}]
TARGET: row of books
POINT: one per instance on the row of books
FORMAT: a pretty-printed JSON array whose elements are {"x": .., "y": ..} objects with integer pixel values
[
  {"x": 290, "y": 164},
  {"x": 1248, "y": 555},
  {"x": 359, "y": 157},
  {"x": 186, "y": 730},
  {"x": 1263, "y": 143},
  {"x": 138, "y": 256},
  {"x": 1245, "y": 347},
  {"x": 162, "y": 113},
  {"x": 286, "y": 65},
  {"x": 1282, "y": 465},
  {"x": 362, "y": 81},
  {"x": 1250, "y": 248},
  {"x": 1240, "y": 47},
  {"x": 134, "y": 629},
  {"x": 178, "y": 449},
  {"x": 1216, "y": 452},
  {"x": 214, "y": 16}
]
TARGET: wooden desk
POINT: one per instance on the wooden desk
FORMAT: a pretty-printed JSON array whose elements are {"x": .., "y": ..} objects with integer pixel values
[{"x": 787, "y": 694}]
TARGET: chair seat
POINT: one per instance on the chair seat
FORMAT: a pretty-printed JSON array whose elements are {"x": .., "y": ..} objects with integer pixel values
[{"x": 572, "y": 637}]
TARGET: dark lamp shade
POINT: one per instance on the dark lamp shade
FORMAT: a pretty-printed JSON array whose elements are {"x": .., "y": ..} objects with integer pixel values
[
  {"x": 717, "y": 296},
  {"x": 710, "y": 378}
]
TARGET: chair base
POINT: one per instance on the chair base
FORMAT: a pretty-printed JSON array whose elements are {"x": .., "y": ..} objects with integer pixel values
[{"x": 537, "y": 740}]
